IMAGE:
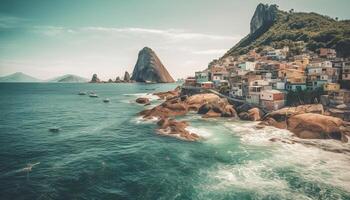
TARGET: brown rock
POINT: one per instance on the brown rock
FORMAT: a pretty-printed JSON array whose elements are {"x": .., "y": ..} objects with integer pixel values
[
  {"x": 168, "y": 94},
  {"x": 171, "y": 127},
  {"x": 142, "y": 100},
  {"x": 211, "y": 114},
  {"x": 316, "y": 126},
  {"x": 254, "y": 114}
]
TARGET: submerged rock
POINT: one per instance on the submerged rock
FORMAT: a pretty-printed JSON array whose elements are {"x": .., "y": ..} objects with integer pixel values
[{"x": 142, "y": 100}]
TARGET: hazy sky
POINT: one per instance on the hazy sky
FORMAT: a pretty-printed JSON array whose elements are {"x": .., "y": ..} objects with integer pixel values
[{"x": 55, "y": 37}]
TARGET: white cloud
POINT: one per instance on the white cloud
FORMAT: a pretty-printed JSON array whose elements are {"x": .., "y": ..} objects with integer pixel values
[{"x": 175, "y": 34}]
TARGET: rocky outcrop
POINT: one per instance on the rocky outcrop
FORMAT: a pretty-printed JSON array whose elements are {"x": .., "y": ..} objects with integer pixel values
[
  {"x": 220, "y": 108},
  {"x": 176, "y": 106},
  {"x": 316, "y": 126},
  {"x": 149, "y": 68},
  {"x": 95, "y": 79},
  {"x": 126, "y": 77},
  {"x": 264, "y": 16},
  {"x": 142, "y": 100},
  {"x": 169, "y": 94},
  {"x": 171, "y": 127},
  {"x": 249, "y": 113},
  {"x": 117, "y": 80}
]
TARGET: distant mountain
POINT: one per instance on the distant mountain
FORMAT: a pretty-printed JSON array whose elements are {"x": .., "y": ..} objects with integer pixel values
[
  {"x": 270, "y": 26},
  {"x": 149, "y": 68},
  {"x": 69, "y": 78},
  {"x": 19, "y": 77}
]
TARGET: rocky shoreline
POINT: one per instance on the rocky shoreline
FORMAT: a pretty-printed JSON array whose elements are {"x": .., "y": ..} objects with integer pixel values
[{"x": 305, "y": 121}]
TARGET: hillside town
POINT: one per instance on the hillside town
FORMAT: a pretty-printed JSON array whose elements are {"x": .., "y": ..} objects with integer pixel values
[{"x": 273, "y": 78}]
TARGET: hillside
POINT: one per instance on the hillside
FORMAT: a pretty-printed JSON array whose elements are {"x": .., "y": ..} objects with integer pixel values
[
  {"x": 69, "y": 78},
  {"x": 18, "y": 77},
  {"x": 273, "y": 27}
]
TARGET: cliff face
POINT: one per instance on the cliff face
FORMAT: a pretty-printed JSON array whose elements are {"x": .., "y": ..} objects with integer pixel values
[
  {"x": 264, "y": 15},
  {"x": 149, "y": 68}
]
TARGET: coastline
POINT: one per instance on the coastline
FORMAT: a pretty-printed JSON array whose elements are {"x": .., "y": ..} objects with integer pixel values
[{"x": 305, "y": 122}]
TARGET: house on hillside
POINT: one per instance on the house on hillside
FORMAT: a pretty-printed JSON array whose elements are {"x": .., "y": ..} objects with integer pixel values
[
  {"x": 272, "y": 99},
  {"x": 247, "y": 66},
  {"x": 328, "y": 53}
]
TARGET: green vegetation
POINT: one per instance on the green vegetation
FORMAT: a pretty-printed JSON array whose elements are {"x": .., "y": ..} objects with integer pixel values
[
  {"x": 301, "y": 97},
  {"x": 293, "y": 29}
]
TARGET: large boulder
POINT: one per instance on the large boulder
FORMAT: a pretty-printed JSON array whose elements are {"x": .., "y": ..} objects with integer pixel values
[
  {"x": 316, "y": 126},
  {"x": 149, "y": 68},
  {"x": 282, "y": 114},
  {"x": 198, "y": 100},
  {"x": 253, "y": 114}
]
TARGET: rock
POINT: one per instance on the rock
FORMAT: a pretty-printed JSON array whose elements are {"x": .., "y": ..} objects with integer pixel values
[
  {"x": 254, "y": 114},
  {"x": 95, "y": 79},
  {"x": 272, "y": 122},
  {"x": 229, "y": 111},
  {"x": 169, "y": 94},
  {"x": 126, "y": 77},
  {"x": 117, "y": 80},
  {"x": 198, "y": 100},
  {"x": 244, "y": 108},
  {"x": 110, "y": 81},
  {"x": 244, "y": 116},
  {"x": 264, "y": 16},
  {"x": 169, "y": 108},
  {"x": 316, "y": 126},
  {"x": 211, "y": 114},
  {"x": 149, "y": 68},
  {"x": 204, "y": 109},
  {"x": 142, "y": 100},
  {"x": 171, "y": 127},
  {"x": 282, "y": 114}
]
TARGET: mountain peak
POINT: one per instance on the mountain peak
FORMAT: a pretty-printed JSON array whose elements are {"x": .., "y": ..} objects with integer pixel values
[
  {"x": 264, "y": 15},
  {"x": 149, "y": 68},
  {"x": 18, "y": 77}
]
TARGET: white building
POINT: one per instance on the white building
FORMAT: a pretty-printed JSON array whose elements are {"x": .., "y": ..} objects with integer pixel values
[{"x": 247, "y": 66}]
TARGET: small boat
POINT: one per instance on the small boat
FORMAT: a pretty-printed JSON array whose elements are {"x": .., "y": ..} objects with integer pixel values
[
  {"x": 106, "y": 100},
  {"x": 54, "y": 129},
  {"x": 82, "y": 93},
  {"x": 93, "y": 95}
]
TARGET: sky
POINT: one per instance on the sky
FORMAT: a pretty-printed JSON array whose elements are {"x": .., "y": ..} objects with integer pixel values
[{"x": 46, "y": 39}]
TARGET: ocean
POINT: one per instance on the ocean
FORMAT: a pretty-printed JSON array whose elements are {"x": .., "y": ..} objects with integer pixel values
[{"x": 106, "y": 151}]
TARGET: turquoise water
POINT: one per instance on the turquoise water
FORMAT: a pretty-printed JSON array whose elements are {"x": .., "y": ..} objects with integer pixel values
[{"x": 106, "y": 151}]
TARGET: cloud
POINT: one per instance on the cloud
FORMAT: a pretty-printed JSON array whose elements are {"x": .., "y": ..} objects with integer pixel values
[
  {"x": 174, "y": 34},
  {"x": 52, "y": 30}
]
